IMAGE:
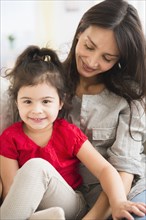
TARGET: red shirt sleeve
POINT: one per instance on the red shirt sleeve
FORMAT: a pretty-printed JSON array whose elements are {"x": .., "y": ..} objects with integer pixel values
[
  {"x": 8, "y": 143},
  {"x": 71, "y": 135}
]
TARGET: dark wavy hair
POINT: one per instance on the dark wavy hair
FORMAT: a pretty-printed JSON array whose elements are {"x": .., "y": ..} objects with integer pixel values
[
  {"x": 34, "y": 66},
  {"x": 129, "y": 81}
]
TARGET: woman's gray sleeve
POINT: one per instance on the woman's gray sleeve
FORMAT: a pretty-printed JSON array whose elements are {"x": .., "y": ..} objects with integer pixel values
[{"x": 125, "y": 153}]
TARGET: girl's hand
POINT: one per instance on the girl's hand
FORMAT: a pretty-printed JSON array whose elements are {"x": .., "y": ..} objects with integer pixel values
[{"x": 125, "y": 209}]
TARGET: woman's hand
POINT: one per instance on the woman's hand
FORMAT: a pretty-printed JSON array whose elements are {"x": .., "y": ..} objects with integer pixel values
[{"x": 125, "y": 209}]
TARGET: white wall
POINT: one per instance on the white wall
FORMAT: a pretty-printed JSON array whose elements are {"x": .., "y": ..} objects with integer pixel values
[
  {"x": 17, "y": 20},
  {"x": 43, "y": 22}
]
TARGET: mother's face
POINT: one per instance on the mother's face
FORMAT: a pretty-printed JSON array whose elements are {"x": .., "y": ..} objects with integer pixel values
[{"x": 96, "y": 51}]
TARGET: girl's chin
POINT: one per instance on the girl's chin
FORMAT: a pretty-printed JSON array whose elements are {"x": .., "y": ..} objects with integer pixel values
[{"x": 37, "y": 127}]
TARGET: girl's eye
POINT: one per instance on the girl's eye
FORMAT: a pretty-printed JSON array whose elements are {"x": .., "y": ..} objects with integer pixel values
[
  {"x": 27, "y": 101},
  {"x": 46, "y": 101}
]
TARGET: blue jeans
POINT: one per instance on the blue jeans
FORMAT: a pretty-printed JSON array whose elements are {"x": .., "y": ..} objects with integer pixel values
[{"x": 140, "y": 198}]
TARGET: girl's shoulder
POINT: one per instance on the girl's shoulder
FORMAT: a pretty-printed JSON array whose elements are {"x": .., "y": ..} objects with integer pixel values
[
  {"x": 63, "y": 124},
  {"x": 13, "y": 129},
  {"x": 67, "y": 128},
  {"x": 69, "y": 136}
]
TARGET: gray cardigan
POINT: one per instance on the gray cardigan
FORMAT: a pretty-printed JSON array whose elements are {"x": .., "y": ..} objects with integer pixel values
[{"x": 104, "y": 118}]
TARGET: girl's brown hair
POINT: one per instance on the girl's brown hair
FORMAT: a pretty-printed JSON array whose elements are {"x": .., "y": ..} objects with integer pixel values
[{"x": 35, "y": 66}]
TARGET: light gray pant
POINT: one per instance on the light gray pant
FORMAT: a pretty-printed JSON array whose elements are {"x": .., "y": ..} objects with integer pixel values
[{"x": 37, "y": 186}]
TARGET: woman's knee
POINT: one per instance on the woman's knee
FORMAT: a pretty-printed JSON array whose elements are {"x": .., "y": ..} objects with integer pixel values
[{"x": 141, "y": 197}]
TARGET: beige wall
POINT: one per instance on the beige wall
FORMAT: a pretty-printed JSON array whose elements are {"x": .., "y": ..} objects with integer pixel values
[{"x": 45, "y": 23}]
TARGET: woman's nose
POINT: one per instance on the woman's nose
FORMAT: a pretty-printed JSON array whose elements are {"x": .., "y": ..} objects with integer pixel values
[{"x": 93, "y": 61}]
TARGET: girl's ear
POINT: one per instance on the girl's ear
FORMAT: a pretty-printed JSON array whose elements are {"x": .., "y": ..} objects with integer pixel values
[{"x": 61, "y": 105}]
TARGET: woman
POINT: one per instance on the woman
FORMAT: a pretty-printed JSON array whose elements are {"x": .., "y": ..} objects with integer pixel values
[
  {"x": 40, "y": 154},
  {"x": 106, "y": 71}
]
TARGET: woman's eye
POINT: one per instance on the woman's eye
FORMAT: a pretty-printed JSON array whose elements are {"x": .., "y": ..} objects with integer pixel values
[
  {"x": 107, "y": 60},
  {"x": 88, "y": 47}
]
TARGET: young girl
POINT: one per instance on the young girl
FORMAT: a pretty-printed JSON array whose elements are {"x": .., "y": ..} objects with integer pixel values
[{"x": 41, "y": 153}]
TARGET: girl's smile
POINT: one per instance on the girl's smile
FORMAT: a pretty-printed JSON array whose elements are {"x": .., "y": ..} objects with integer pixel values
[
  {"x": 38, "y": 105},
  {"x": 37, "y": 120}
]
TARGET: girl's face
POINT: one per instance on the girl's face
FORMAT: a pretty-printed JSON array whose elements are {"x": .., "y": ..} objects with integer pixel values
[
  {"x": 38, "y": 105},
  {"x": 96, "y": 51}
]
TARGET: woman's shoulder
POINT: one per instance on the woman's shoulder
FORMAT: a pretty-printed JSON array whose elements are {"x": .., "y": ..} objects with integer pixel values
[{"x": 105, "y": 97}]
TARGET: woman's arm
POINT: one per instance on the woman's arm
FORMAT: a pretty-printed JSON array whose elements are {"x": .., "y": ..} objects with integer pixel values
[
  {"x": 101, "y": 208},
  {"x": 9, "y": 168},
  {"x": 111, "y": 183},
  {"x": 127, "y": 179}
]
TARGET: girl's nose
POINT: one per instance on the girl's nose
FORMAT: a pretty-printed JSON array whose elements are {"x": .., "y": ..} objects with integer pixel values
[{"x": 37, "y": 109}]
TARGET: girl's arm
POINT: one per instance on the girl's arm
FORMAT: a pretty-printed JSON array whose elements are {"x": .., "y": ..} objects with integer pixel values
[
  {"x": 9, "y": 168},
  {"x": 0, "y": 187},
  {"x": 101, "y": 208},
  {"x": 0, "y": 191},
  {"x": 111, "y": 183}
]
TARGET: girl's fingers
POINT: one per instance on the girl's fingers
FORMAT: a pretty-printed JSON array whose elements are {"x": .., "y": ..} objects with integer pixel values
[
  {"x": 125, "y": 215},
  {"x": 137, "y": 210},
  {"x": 142, "y": 207}
]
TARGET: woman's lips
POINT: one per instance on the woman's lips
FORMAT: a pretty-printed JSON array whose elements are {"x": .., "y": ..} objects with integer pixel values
[{"x": 87, "y": 68}]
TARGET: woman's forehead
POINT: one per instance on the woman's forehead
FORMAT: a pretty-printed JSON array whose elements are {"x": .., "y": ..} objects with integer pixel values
[{"x": 101, "y": 38}]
